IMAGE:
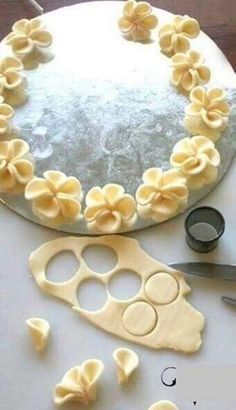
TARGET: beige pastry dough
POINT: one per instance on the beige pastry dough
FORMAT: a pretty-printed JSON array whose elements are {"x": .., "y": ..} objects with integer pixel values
[
  {"x": 162, "y": 194},
  {"x": 137, "y": 20},
  {"x": 6, "y": 113},
  {"x": 208, "y": 113},
  {"x": 158, "y": 316},
  {"x": 189, "y": 70},
  {"x": 174, "y": 36},
  {"x": 26, "y": 35},
  {"x": 39, "y": 331},
  {"x": 10, "y": 77},
  {"x": 163, "y": 405},
  {"x": 16, "y": 167},
  {"x": 127, "y": 362},
  {"x": 109, "y": 209},
  {"x": 79, "y": 383},
  {"x": 198, "y": 159},
  {"x": 55, "y": 197}
]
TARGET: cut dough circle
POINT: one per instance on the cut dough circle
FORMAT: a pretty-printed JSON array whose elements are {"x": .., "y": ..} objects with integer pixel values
[
  {"x": 39, "y": 331},
  {"x": 163, "y": 405},
  {"x": 126, "y": 361},
  {"x": 162, "y": 288},
  {"x": 139, "y": 318}
]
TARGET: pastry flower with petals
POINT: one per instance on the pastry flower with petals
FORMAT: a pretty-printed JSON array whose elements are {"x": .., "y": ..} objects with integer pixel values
[
  {"x": 174, "y": 36},
  {"x": 189, "y": 70},
  {"x": 79, "y": 383},
  {"x": 198, "y": 159},
  {"x": 16, "y": 168},
  {"x": 137, "y": 20},
  {"x": 162, "y": 194},
  {"x": 6, "y": 112},
  {"x": 10, "y": 78},
  {"x": 109, "y": 209},
  {"x": 28, "y": 34},
  {"x": 208, "y": 112},
  {"x": 55, "y": 197}
]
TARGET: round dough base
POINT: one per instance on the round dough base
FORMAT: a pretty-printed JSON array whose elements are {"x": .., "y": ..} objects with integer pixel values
[{"x": 114, "y": 119}]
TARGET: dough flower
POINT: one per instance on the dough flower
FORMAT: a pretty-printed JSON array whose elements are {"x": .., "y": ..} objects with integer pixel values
[
  {"x": 109, "y": 209},
  {"x": 137, "y": 21},
  {"x": 16, "y": 167},
  {"x": 163, "y": 405},
  {"x": 208, "y": 112},
  {"x": 55, "y": 197},
  {"x": 126, "y": 361},
  {"x": 39, "y": 331},
  {"x": 79, "y": 383},
  {"x": 162, "y": 194},
  {"x": 198, "y": 159},
  {"x": 189, "y": 70},
  {"x": 6, "y": 112},
  {"x": 26, "y": 35},
  {"x": 10, "y": 78},
  {"x": 174, "y": 36}
]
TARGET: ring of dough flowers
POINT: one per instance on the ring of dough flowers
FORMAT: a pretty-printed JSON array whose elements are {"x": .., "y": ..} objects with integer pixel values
[
  {"x": 57, "y": 198},
  {"x": 158, "y": 316}
]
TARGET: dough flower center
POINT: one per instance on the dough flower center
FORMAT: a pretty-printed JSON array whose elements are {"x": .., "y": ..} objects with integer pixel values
[
  {"x": 16, "y": 167},
  {"x": 174, "y": 36},
  {"x": 188, "y": 70},
  {"x": 55, "y": 197},
  {"x": 137, "y": 20},
  {"x": 208, "y": 112},
  {"x": 198, "y": 159},
  {"x": 26, "y": 35},
  {"x": 109, "y": 208},
  {"x": 10, "y": 78},
  {"x": 162, "y": 194}
]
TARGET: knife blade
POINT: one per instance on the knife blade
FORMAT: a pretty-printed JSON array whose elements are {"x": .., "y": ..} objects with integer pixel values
[
  {"x": 207, "y": 270},
  {"x": 231, "y": 301}
]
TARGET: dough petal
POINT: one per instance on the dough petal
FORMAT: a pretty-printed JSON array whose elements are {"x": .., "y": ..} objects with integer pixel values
[
  {"x": 126, "y": 361},
  {"x": 39, "y": 331}
]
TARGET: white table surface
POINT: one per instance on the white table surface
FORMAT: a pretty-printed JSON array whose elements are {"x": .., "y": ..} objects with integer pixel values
[{"x": 27, "y": 378}]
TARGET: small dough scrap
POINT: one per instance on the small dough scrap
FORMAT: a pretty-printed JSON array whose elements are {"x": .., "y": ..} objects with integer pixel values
[
  {"x": 163, "y": 405},
  {"x": 79, "y": 383},
  {"x": 39, "y": 331},
  {"x": 127, "y": 362}
]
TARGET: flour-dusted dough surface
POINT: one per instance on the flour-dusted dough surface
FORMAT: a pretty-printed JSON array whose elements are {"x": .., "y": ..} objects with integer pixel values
[
  {"x": 108, "y": 104},
  {"x": 174, "y": 325}
]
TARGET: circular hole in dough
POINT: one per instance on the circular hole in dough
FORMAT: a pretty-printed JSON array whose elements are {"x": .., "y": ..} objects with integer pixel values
[
  {"x": 100, "y": 258},
  {"x": 62, "y": 267},
  {"x": 139, "y": 318},
  {"x": 163, "y": 405},
  {"x": 124, "y": 284},
  {"x": 162, "y": 288},
  {"x": 91, "y": 295}
]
